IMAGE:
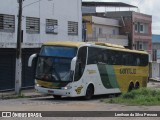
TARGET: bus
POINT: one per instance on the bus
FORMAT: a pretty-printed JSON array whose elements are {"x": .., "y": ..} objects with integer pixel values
[{"x": 77, "y": 69}]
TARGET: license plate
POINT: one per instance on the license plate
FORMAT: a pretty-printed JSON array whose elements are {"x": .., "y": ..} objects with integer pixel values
[{"x": 50, "y": 91}]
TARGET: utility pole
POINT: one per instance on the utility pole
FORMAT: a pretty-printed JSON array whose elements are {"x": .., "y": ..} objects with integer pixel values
[{"x": 18, "y": 74}]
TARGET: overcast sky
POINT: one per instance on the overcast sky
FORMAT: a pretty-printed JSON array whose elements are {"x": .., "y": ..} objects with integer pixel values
[{"x": 150, "y": 7}]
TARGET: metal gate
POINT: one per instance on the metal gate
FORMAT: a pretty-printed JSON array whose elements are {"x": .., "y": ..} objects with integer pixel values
[
  {"x": 7, "y": 69},
  {"x": 27, "y": 72}
]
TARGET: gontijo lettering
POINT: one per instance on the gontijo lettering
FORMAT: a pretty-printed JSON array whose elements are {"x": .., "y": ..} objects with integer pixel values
[{"x": 127, "y": 71}]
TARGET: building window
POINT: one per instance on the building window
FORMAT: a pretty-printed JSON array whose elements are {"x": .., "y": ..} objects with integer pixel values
[
  {"x": 114, "y": 32},
  {"x": 154, "y": 55},
  {"x": 72, "y": 28},
  {"x": 32, "y": 25},
  {"x": 94, "y": 32},
  {"x": 51, "y": 26},
  {"x": 7, "y": 23},
  {"x": 136, "y": 27},
  {"x": 139, "y": 45},
  {"x": 100, "y": 31},
  {"x": 141, "y": 28}
]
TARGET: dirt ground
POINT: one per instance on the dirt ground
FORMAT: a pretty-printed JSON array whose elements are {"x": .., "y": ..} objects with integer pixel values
[{"x": 48, "y": 103}]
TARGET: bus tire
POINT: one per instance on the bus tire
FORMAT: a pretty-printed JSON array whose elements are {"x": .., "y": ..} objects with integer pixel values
[
  {"x": 57, "y": 97},
  {"x": 137, "y": 85},
  {"x": 131, "y": 87},
  {"x": 89, "y": 92}
]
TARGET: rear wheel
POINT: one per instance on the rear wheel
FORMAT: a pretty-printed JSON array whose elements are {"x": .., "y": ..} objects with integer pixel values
[
  {"x": 137, "y": 85},
  {"x": 89, "y": 92},
  {"x": 131, "y": 87},
  {"x": 57, "y": 96}
]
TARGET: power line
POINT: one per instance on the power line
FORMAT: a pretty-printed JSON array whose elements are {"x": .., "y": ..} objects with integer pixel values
[
  {"x": 32, "y": 3},
  {"x": 141, "y": 2}
]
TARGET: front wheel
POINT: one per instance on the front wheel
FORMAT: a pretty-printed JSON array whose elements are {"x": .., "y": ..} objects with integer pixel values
[
  {"x": 89, "y": 92},
  {"x": 57, "y": 96}
]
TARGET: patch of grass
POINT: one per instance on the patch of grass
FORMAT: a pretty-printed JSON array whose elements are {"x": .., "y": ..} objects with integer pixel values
[
  {"x": 143, "y": 96},
  {"x": 14, "y": 96}
]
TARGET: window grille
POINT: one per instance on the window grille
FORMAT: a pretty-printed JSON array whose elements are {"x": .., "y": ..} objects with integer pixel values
[
  {"x": 51, "y": 26},
  {"x": 32, "y": 25},
  {"x": 7, "y": 23},
  {"x": 72, "y": 28}
]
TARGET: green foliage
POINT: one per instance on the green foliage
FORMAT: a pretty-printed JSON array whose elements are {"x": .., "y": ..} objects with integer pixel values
[
  {"x": 143, "y": 96},
  {"x": 129, "y": 95}
]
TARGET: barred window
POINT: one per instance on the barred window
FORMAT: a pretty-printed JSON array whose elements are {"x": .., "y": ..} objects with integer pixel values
[
  {"x": 72, "y": 28},
  {"x": 51, "y": 26},
  {"x": 32, "y": 25},
  {"x": 7, "y": 23}
]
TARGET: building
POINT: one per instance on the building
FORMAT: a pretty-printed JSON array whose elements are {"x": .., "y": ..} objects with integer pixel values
[
  {"x": 113, "y": 33},
  {"x": 43, "y": 20},
  {"x": 155, "y": 61},
  {"x": 137, "y": 26},
  {"x": 101, "y": 29}
]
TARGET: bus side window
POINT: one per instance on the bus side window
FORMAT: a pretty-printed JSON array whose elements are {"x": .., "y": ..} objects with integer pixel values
[
  {"x": 95, "y": 55},
  {"x": 144, "y": 60},
  {"x": 138, "y": 61},
  {"x": 81, "y": 63},
  {"x": 100, "y": 58},
  {"x": 105, "y": 58}
]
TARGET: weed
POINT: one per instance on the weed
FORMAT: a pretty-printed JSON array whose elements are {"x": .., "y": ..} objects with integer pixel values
[{"x": 142, "y": 96}]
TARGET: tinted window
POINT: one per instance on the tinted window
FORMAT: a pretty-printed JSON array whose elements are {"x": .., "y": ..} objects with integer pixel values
[
  {"x": 58, "y": 51},
  {"x": 113, "y": 57},
  {"x": 81, "y": 63},
  {"x": 95, "y": 55}
]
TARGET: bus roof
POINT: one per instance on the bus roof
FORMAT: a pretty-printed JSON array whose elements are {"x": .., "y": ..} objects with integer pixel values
[
  {"x": 78, "y": 44},
  {"x": 66, "y": 43},
  {"x": 119, "y": 48}
]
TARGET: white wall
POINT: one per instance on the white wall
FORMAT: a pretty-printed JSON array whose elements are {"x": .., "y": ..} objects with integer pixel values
[
  {"x": 155, "y": 70},
  {"x": 105, "y": 21},
  {"x": 107, "y": 25},
  {"x": 123, "y": 42},
  {"x": 62, "y": 10},
  {"x": 106, "y": 29}
]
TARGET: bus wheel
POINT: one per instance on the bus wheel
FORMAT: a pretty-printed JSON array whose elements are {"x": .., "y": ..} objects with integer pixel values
[
  {"x": 57, "y": 96},
  {"x": 131, "y": 87},
  {"x": 117, "y": 94},
  {"x": 89, "y": 92},
  {"x": 137, "y": 85}
]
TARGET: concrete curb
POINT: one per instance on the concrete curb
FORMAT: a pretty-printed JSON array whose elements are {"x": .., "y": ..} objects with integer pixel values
[{"x": 31, "y": 93}]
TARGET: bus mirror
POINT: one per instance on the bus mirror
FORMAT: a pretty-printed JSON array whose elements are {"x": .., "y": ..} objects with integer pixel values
[
  {"x": 73, "y": 63},
  {"x": 33, "y": 56}
]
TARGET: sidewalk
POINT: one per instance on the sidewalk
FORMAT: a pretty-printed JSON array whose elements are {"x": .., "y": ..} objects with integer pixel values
[{"x": 29, "y": 93}]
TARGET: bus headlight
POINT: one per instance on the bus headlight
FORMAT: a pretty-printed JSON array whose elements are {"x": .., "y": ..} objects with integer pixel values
[{"x": 66, "y": 88}]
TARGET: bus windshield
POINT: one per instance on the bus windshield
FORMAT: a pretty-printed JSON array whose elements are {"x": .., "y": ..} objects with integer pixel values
[{"x": 54, "y": 63}]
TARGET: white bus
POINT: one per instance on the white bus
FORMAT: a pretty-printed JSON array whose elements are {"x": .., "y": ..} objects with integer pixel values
[{"x": 86, "y": 69}]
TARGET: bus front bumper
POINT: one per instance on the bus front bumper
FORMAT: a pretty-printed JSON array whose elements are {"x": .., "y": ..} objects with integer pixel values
[{"x": 54, "y": 91}]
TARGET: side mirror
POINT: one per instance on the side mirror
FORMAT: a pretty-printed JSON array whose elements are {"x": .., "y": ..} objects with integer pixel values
[
  {"x": 31, "y": 58},
  {"x": 73, "y": 63}
]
